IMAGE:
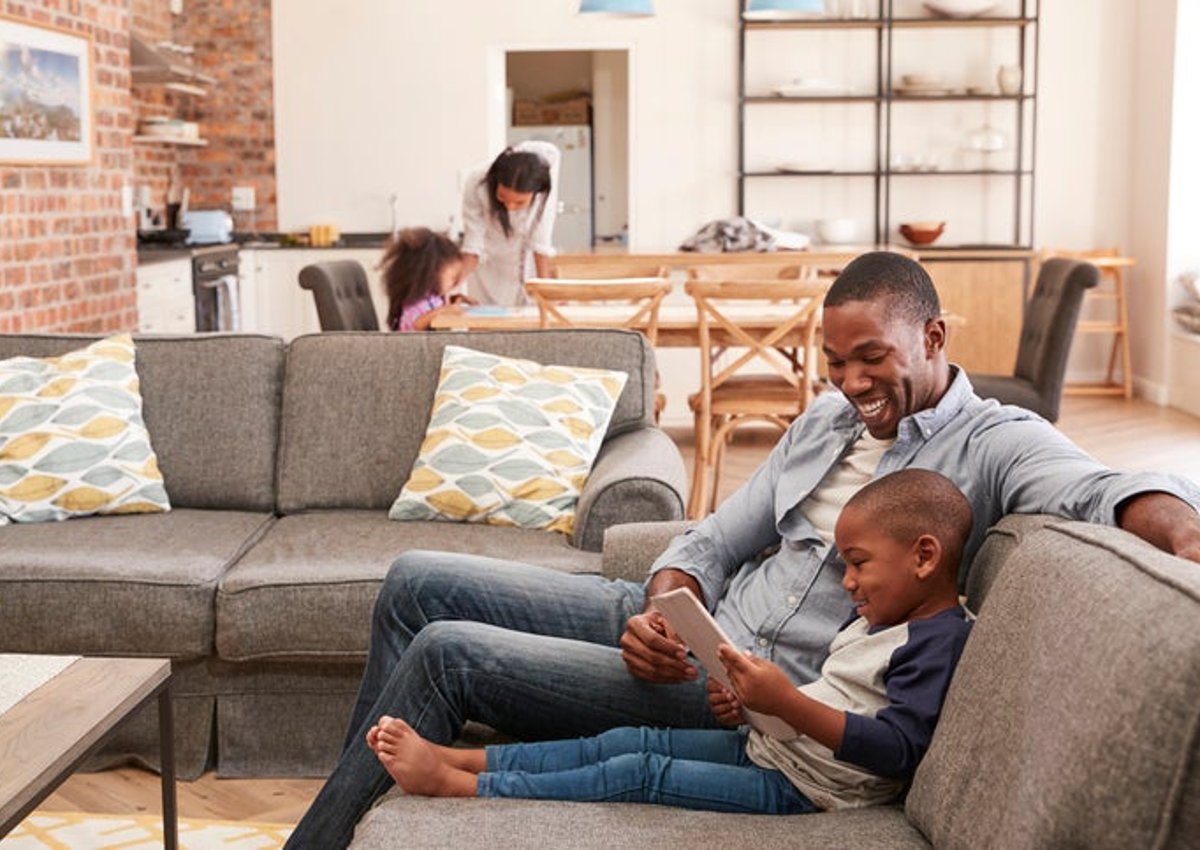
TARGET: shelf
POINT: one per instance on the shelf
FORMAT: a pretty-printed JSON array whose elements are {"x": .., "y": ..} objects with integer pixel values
[
  {"x": 812, "y": 98},
  {"x": 819, "y": 173},
  {"x": 901, "y": 98},
  {"x": 959, "y": 23},
  {"x": 150, "y": 66},
  {"x": 960, "y": 172},
  {"x": 167, "y": 140},
  {"x": 817, "y": 24},
  {"x": 879, "y": 23}
]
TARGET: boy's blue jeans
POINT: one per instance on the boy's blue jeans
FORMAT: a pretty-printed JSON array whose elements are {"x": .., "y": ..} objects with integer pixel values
[{"x": 690, "y": 768}]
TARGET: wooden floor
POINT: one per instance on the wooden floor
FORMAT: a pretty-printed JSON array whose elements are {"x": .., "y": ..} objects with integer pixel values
[{"x": 1127, "y": 435}]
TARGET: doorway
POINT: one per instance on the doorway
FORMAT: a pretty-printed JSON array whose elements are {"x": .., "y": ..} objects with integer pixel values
[{"x": 578, "y": 99}]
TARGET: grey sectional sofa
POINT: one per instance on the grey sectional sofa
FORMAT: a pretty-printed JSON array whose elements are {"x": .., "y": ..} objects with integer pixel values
[
  {"x": 1073, "y": 721},
  {"x": 281, "y": 462}
]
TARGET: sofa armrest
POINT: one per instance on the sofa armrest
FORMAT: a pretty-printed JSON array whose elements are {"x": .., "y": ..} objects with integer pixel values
[
  {"x": 630, "y": 549},
  {"x": 638, "y": 476}
]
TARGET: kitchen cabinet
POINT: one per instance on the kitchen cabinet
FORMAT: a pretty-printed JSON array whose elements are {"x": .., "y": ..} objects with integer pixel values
[
  {"x": 897, "y": 116},
  {"x": 165, "y": 301},
  {"x": 272, "y": 301}
]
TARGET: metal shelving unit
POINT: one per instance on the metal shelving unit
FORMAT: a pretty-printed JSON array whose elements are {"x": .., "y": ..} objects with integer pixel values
[{"x": 887, "y": 102}]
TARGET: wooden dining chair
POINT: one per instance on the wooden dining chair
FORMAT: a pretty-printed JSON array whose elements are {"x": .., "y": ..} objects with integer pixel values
[
  {"x": 635, "y": 303},
  {"x": 756, "y": 270},
  {"x": 604, "y": 267},
  {"x": 749, "y": 377}
]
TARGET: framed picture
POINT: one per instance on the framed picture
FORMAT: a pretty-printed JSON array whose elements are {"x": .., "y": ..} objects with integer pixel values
[{"x": 46, "y": 104}]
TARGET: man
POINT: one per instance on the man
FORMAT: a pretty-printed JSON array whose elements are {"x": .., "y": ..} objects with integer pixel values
[{"x": 537, "y": 653}]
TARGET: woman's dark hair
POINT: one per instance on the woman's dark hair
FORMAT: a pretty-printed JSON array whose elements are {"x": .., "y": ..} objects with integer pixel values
[
  {"x": 521, "y": 171},
  {"x": 412, "y": 263}
]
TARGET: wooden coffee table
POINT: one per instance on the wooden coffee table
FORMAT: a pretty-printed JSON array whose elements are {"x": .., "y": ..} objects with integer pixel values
[{"x": 45, "y": 736}]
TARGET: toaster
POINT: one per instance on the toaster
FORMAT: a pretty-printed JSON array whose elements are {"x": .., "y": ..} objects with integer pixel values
[{"x": 207, "y": 227}]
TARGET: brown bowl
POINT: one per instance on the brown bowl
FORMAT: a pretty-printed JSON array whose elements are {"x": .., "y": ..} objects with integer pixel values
[{"x": 922, "y": 232}]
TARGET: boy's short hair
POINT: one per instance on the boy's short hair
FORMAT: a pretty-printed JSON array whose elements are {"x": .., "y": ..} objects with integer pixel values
[{"x": 911, "y": 502}]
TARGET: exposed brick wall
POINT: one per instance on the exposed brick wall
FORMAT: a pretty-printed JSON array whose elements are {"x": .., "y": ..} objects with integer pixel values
[
  {"x": 232, "y": 41},
  {"x": 67, "y": 254}
]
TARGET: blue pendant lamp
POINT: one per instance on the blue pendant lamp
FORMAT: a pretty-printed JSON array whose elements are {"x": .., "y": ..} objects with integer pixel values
[
  {"x": 785, "y": 6},
  {"x": 618, "y": 7}
]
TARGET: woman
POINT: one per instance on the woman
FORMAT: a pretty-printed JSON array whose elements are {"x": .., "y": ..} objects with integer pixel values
[{"x": 508, "y": 215}]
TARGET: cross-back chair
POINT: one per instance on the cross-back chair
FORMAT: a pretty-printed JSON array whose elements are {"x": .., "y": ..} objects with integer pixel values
[
  {"x": 635, "y": 302},
  {"x": 756, "y": 270},
  {"x": 600, "y": 267},
  {"x": 765, "y": 375}
]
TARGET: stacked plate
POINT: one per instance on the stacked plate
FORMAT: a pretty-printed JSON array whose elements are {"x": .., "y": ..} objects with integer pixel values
[{"x": 921, "y": 84}]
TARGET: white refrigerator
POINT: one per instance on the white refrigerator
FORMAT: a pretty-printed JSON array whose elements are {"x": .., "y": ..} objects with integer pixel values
[{"x": 573, "y": 226}]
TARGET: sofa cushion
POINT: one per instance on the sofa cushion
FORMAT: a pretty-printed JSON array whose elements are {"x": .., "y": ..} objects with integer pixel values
[
  {"x": 211, "y": 405},
  {"x": 122, "y": 585},
  {"x": 510, "y": 441},
  {"x": 447, "y": 822},
  {"x": 355, "y": 405},
  {"x": 308, "y": 587},
  {"x": 1072, "y": 718},
  {"x": 72, "y": 439}
]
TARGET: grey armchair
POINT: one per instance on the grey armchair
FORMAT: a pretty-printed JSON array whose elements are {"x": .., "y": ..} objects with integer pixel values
[
  {"x": 1046, "y": 334},
  {"x": 342, "y": 294}
]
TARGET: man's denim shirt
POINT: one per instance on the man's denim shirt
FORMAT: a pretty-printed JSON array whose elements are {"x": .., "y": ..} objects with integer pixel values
[{"x": 776, "y": 585}]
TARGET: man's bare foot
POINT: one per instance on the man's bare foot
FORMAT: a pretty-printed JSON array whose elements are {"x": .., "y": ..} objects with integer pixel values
[{"x": 415, "y": 764}]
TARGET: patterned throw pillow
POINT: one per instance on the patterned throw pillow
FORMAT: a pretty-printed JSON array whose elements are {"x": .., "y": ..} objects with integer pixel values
[
  {"x": 72, "y": 439},
  {"x": 509, "y": 442}
]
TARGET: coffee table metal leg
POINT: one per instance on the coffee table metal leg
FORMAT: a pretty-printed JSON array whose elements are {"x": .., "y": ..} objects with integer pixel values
[{"x": 166, "y": 745}]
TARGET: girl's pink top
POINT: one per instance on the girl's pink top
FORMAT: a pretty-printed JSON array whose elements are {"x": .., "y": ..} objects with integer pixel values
[{"x": 417, "y": 309}]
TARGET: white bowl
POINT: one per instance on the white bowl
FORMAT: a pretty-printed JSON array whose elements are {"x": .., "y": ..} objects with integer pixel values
[
  {"x": 959, "y": 8},
  {"x": 837, "y": 231}
]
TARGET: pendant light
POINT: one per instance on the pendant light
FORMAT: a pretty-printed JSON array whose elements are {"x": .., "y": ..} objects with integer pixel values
[{"x": 640, "y": 8}]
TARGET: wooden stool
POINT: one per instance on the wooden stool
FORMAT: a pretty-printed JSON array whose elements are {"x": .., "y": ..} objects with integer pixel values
[{"x": 1112, "y": 267}]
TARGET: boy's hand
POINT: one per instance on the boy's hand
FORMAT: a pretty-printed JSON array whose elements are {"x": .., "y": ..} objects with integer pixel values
[
  {"x": 761, "y": 685},
  {"x": 724, "y": 704}
]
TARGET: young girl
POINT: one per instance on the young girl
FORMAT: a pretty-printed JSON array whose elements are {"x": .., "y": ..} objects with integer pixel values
[{"x": 420, "y": 268}]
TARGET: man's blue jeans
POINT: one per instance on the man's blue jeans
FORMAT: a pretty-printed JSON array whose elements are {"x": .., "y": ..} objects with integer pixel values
[
  {"x": 690, "y": 768},
  {"x": 530, "y": 651}
]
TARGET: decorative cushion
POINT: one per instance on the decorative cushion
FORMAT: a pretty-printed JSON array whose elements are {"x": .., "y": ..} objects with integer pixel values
[
  {"x": 509, "y": 442},
  {"x": 72, "y": 439}
]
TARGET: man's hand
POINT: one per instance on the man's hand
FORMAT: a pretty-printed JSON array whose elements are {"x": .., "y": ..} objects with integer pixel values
[
  {"x": 761, "y": 685},
  {"x": 724, "y": 704},
  {"x": 653, "y": 652},
  {"x": 1167, "y": 522}
]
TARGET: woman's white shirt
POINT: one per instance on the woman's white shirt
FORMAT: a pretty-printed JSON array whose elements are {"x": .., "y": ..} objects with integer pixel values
[{"x": 505, "y": 261}]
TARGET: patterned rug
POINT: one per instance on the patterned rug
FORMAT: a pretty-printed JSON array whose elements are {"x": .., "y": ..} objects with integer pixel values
[{"x": 80, "y": 831}]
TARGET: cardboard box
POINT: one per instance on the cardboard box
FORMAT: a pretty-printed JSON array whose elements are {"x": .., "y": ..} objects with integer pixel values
[{"x": 576, "y": 110}]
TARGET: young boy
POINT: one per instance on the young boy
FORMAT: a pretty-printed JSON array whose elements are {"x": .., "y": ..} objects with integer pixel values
[{"x": 863, "y": 726}]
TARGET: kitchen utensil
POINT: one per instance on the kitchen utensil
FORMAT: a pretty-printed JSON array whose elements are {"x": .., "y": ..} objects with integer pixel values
[{"x": 922, "y": 232}]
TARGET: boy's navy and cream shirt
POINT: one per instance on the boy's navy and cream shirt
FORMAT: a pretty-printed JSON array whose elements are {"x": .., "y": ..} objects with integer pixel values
[{"x": 890, "y": 681}]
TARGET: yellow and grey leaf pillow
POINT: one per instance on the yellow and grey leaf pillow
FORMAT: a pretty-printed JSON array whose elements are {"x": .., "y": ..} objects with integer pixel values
[
  {"x": 72, "y": 439},
  {"x": 509, "y": 442}
]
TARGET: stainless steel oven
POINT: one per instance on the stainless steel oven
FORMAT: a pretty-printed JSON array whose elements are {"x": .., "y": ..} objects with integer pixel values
[{"x": 215, "y": 284}]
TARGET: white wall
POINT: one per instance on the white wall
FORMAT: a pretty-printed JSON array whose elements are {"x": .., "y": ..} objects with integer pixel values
[{"x": 376, "y": 96}]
